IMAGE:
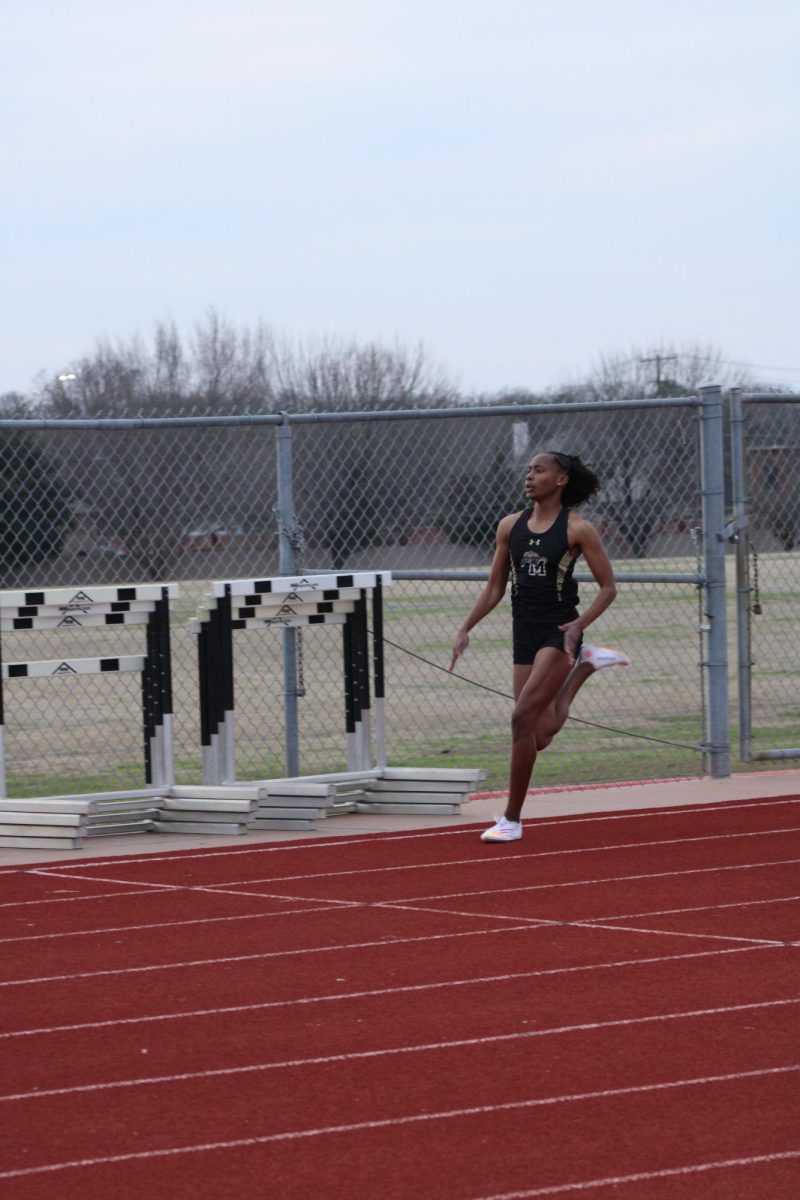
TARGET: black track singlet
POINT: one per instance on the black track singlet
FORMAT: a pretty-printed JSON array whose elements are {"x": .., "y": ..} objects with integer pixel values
[{"x": 543, "y": 591}]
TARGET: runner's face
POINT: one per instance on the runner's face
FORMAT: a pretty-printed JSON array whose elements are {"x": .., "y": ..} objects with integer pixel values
[{"x": 544, "y": 477}]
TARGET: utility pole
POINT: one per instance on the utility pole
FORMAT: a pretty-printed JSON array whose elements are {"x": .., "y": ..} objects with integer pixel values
[{"x": 658, "y": 359}]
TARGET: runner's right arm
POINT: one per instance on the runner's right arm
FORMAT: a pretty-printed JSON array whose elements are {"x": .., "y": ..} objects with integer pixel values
[{"x": 493, "y": 591}]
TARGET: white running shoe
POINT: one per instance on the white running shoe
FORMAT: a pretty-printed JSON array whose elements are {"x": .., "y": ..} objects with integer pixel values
[
  {"x": 503, "y": 830},
  {"x": 601, "y": 656}
]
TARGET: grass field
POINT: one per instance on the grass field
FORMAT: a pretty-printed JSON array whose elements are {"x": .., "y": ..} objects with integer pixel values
[{"x": 84, "y": 733}]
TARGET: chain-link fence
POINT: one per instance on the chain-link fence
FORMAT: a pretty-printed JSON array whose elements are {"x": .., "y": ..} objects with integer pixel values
[
  {"x": 765, "y": 458},
  {"x": 418, "y": 493}
]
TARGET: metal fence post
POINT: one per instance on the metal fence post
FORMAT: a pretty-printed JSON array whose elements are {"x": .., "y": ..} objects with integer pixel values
[
  {"x": 286, "y": 566},
  {"x": 716, "y": 642},
  {"x": 741, "y": 532}
]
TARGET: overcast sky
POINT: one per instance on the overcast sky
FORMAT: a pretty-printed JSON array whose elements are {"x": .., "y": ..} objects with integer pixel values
[{"x": 522, "y": 185}]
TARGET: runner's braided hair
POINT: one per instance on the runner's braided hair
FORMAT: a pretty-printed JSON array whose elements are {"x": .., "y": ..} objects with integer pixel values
[{"x": 582, "y": 483}]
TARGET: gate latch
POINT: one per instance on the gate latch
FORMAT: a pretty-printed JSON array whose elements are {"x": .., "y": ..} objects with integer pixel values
[{"x": 730, "y": 531}]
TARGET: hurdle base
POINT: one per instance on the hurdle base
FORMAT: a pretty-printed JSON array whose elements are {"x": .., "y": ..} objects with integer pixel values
[
  {"x": 411, "y": 810},
  {"x": 64, "y": 822},
  {"x": 394, "y": 791},
  {"x": 120, "y": 828},
  {"x": 40, "y": 843},
  {"x": 211, "y": 828},
  {"x": 234, "y": 808},
  {"x": 292, "y": 824}
]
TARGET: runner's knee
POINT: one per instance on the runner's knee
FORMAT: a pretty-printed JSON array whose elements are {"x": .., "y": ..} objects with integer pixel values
[{"x": 525, "y": 717}]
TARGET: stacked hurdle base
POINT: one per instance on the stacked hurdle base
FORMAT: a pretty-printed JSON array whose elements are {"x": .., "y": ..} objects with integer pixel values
[
  {"x": 420, "y": 791},
  {"x": 114, "y": 817},
  {"x": 64, "y": 822},
  {"x": 293, "y": 804},
  {"x": 43, "y": 825},
  {"x": 393, "y": 791},
  {"x": 218, "y": 811},
  {"x": 237, "y": 807}
]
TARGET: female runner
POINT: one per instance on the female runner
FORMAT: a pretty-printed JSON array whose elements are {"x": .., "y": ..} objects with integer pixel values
[{"x": 538, "y": 548}]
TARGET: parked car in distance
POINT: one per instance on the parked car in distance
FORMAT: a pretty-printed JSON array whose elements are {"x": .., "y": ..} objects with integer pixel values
[{"x": 208, "y": 538}]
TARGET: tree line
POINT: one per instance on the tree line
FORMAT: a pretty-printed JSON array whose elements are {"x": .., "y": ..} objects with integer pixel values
[{"x": 360, "y": 484}]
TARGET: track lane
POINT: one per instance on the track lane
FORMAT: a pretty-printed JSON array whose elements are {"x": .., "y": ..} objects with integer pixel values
[
  {"x": 509, "y": 866},
  {"x": 432, "y": 1153},
  {"x": 146, "y": 918},
  {"x": 625, "y": 895},
  {"x": 567, "y": 833},
  {"x": 181, "y": 937},
  {"x": 277, "y": 942},
  {"x": 209, "y": 982},
  {"x": 412, "y": 990},
  {"x": 180, "y": 1037},
  {"x": 250, "y": 1104},
  {"x": 141, "y": 918},
  {"x": 778, "y": 919}
]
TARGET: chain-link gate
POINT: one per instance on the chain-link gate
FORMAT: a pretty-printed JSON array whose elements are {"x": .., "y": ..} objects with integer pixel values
[
  {"x": 765, "y": 468},
  {"x": 416, "y": 492}
]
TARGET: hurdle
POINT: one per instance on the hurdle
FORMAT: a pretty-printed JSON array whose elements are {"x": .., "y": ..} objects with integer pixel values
[
  {"x": 62, "y": 821},
  {"x": 368, "y": 785},
  {"x": 286, "y": 602}
]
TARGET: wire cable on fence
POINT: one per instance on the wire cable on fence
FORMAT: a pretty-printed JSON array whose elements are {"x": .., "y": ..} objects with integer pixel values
[{"x": 507, "y": 696}]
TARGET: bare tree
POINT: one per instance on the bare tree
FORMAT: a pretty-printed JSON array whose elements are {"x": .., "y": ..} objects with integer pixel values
[
  {"x": 663, "y": 370},
  {"x": 648, "y": 465},
  {"x": 334, "y": 375}
]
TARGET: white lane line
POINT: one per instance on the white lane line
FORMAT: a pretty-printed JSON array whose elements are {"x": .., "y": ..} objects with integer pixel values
[
  {"x": 713, "y": 937},
  {"x": 409, "y": 904},
  {"x": 596, "y": 923},
  {"x": 388, "y": 1052},
  {"x": 614, "y": 964},
  {"x": 585, "y": 1185},
  {"x": 708, "y": 807},
  {"x": 407, "y": 1119},
  {"x": 234, "y": 891},
  {"x": 539, "y": 887},
  {"x": 668, "y": 912},
  {"x": 225, "y": 889},
  {"x": 612, "y": 879},
  {"x": 607, "y": 923},
  {"x": 41, "y": 872},
  {"x": 230, "y": 889},
  {"x": 483, "y": 860},
  {"x": 532, "y": 923},
  {"x": 593, "y": 923},
  {"x": 68, "y": 899},
  {"x": 254, "y": 916},
  {"x": 779, "y": 862},
  {"x": 524, "y": 926}
]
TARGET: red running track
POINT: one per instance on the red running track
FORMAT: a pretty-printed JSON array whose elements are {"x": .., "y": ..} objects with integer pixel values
[{"x": 610, "y": 1007}]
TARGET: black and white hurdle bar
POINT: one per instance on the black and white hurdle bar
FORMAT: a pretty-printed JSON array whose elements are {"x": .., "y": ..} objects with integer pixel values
[
  {"x": 281, "y": 603},
  {"x": 69, "y": 608}
]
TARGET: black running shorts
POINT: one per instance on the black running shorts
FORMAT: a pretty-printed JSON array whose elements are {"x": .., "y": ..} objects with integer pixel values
[{"x": 530, "y": 639}]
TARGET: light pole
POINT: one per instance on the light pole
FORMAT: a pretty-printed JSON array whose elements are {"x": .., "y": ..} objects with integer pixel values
[{"x": 65, "y": 381}]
